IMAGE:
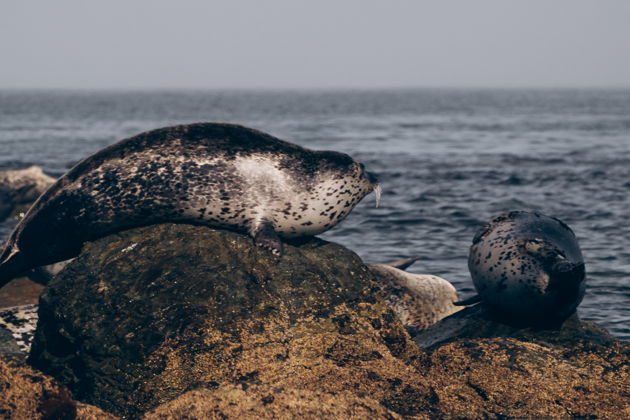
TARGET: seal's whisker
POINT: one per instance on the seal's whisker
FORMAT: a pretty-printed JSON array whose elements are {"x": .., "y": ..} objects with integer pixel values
[{"x": 377, "y": 193}]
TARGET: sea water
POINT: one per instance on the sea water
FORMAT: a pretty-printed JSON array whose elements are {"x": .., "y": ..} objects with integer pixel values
[{"x": 448, "y": 161}]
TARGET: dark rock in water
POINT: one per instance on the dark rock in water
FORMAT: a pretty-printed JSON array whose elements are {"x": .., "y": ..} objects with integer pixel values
[
  {"x": 146, "y": 315},
  {"x": 20, "y": 188},
  {"x": 481, "y": 368}
]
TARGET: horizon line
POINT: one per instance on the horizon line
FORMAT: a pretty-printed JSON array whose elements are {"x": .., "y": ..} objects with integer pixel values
[{"x": 308, "y": 88}]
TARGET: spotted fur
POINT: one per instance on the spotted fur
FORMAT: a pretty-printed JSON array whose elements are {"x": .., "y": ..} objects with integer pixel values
[
  {"x": 529, "y": 265},
  {"x": 214, "y": 174},
  {"x": 419, "y": 300},
  {"x": 21, "y": 321}
]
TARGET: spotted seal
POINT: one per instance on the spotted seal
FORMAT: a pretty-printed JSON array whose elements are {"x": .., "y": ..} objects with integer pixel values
[
  {"x": 418, "y": 300},
  {"x": 527, "y": 266},
  {"x": 221, "y": 175}
]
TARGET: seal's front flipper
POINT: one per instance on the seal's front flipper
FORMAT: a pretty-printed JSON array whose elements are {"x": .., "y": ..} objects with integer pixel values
[{"x": 266, "y": 237}]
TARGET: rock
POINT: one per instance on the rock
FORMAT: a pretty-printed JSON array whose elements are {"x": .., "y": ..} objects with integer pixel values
[
  {"x": 8, "y": 344},
  {"x": 146, "y": 315},
  {"x": 480, "y": 322},
  {"x": 270, "y": 403},
  {"x": 20, "y": 188},
  {"x": 176, "y": 321},
  {"x": 89, "y": 412},
  {"x": 20, "y": 291},
  {"x": 28, "y": 394},
  {"x": 480, "y": 368}
]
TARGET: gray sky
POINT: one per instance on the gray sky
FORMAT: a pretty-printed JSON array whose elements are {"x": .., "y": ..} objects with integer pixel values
[{"x": 315, "y": 44}]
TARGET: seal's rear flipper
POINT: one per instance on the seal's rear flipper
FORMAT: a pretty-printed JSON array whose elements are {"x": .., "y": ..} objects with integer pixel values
[
  {"x": 12, "y": 264},
  {"x": 403, "y": 264},
  {"x": 469, "y": 301},
  {"x": 266, "y": 237}
]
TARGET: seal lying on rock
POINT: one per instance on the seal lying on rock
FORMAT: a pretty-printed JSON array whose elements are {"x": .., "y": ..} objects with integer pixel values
[
  {"x": 220, "y": 175},
  {"x": 418, "y": 300},
  {"x": 527, "y": 266}
]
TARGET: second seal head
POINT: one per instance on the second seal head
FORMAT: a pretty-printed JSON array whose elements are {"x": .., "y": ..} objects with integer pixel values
[{"x": 527, "y": 266}]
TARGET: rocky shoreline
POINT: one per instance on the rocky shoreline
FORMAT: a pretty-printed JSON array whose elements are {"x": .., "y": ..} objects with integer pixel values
[{"x": 180, "y": 321}]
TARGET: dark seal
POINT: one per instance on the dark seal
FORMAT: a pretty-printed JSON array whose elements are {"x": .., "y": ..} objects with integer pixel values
[
  {"x": 220, "y": 175},
  {"x": 528, "y": 267}
]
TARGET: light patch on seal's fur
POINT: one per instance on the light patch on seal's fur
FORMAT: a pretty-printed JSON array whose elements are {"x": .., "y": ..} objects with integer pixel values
[
  {"x": 293, "y": 209},
  {"x": 21, "y": 321},
  {"x": 263, "y": 171}
]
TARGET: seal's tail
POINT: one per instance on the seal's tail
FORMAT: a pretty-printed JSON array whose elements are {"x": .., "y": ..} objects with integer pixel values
[
  {"x": 404, "y": 264},
  {"x": 12, "y": 263}
]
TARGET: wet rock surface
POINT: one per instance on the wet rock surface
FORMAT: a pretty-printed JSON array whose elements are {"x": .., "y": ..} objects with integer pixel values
[
  {"x": 144, "y": 316},
  {"x": 481, "y": 368}
]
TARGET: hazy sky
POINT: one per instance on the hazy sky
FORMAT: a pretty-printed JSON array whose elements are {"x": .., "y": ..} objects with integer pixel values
[{"x": 314, "y": 44}]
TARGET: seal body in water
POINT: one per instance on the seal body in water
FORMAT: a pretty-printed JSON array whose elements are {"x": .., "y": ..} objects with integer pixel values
[
  {"x": 220, "y": 175},
  {"x": 527, "y": 266}
]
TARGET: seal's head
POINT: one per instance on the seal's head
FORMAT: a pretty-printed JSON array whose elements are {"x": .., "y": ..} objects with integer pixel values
[
  {"x": 339, "y": 166},
  {"x": 528, "y": 267}
]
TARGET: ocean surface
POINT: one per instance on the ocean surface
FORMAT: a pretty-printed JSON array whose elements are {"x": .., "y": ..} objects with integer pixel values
[{"x": 448, "y": 161}]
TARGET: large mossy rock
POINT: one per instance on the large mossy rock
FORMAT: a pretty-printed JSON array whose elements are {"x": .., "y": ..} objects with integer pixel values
[
  {"x": 180, "y": 321},
  {"x": 146, "y": 315},
  {"x": 481, "y": 368}
]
